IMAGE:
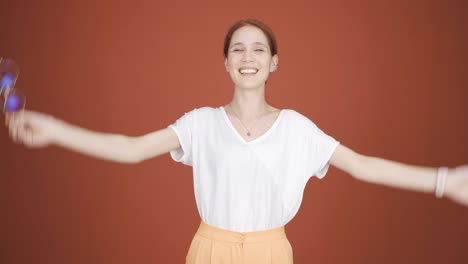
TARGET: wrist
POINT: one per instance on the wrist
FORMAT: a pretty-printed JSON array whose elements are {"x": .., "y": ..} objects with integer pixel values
[{"x": 57, "y": 130}]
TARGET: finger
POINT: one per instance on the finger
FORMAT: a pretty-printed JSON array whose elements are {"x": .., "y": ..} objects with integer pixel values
[
  {"x": 10, "y": 132},
  {"x": 11, "y": 127},
  {"x": 28, "y": 138},
  {"x": 19, "y": 134},
  {"x": 16, "y": 127},
  {"x": 22, "y": 118},
  {"x": 21, "y": 127},
  {"x": 24, "y": 135},
  {"x": 9, "y": 117}
]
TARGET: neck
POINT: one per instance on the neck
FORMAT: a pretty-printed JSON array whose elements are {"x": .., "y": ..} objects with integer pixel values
[{"x": 249, "y": 103}]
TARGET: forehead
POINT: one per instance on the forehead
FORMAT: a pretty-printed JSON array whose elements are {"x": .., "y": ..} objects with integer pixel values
[{"x": 249, "y": 35}]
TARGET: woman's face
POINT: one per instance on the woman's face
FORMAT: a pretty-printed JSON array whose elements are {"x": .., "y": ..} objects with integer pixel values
[{"x": 249, "y": 61}]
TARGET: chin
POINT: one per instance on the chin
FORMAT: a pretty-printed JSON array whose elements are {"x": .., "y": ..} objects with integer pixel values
[{"x": 250, "y": 85}]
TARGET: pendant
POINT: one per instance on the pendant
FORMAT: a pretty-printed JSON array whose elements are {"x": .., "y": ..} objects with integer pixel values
[{"x": 248, "y": 133}]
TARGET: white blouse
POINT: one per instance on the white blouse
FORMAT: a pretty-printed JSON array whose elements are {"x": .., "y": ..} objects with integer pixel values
[{"x": 253, "y": 185}]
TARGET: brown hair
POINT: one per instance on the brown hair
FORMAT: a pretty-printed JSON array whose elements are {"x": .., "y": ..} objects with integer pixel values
[{"x": 251, "y": 22}]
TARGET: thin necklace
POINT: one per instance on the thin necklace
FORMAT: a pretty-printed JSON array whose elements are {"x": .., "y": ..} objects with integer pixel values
[{"x": 248, "y": 130}]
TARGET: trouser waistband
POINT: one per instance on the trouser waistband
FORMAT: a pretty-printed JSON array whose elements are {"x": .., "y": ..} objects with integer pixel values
[{"x": 212, "y": 232}]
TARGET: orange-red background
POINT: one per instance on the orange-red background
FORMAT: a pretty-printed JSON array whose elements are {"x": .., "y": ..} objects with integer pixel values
[{"x": 386, "y": 79}]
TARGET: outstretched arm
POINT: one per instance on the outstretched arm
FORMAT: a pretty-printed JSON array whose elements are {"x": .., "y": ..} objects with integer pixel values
[
  {"x": 35, "y": 129},
  {"x": 394, "y": 174}
]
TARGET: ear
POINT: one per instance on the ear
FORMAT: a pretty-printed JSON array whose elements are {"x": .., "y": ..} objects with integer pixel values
[
  {"x": 226, "y": 64},
  {"x": 274, "y": 63}
]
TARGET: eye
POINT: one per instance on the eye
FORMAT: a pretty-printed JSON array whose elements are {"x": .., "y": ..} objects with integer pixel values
[
  {"x": 235, "y": 50},
  {"x": 259, "y": 50}
]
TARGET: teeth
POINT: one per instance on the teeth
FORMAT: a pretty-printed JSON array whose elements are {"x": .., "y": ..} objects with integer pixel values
[{"x": 248, "y": 71}]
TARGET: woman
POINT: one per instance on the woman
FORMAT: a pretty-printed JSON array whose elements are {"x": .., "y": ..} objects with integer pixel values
[{"x": 250, "y": 160}]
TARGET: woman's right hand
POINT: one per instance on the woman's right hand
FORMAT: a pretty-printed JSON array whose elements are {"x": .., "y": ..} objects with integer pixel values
[{"x": 31, "y": 128}]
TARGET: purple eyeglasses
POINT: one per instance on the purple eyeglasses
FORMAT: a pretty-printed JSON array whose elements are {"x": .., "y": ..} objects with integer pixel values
[{"x": 12, "y": 99}]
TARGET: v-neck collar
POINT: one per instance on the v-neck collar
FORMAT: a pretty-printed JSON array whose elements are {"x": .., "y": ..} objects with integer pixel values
[{"x": 261, "y": 137}]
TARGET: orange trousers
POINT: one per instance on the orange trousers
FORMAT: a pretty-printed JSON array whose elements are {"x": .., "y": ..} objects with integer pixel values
[{"x": 212, "y": 245}]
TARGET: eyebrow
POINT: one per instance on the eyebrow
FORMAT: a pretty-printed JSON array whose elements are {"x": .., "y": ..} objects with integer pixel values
[{"x": 240, "y": 43}]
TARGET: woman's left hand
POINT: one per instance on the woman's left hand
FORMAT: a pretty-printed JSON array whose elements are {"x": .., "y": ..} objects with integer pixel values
[{"x": 456, "y": 187}]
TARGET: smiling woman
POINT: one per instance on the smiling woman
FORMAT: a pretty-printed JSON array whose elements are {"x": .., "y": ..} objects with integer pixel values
[
  {"x": 249, "y": 55},
  {"x": 251, "y": 160}
]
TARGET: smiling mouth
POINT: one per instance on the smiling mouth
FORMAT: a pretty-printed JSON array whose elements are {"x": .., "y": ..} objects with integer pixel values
[{"x": 248, "y": 71}]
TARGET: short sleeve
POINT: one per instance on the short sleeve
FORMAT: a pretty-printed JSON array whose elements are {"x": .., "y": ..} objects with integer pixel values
[
  {"x": 184, "y": 128},
  {"x": 319, "y": 151}
]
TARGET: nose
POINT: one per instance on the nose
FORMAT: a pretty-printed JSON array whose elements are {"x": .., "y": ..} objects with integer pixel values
[{"x": 247, "y": 56}]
